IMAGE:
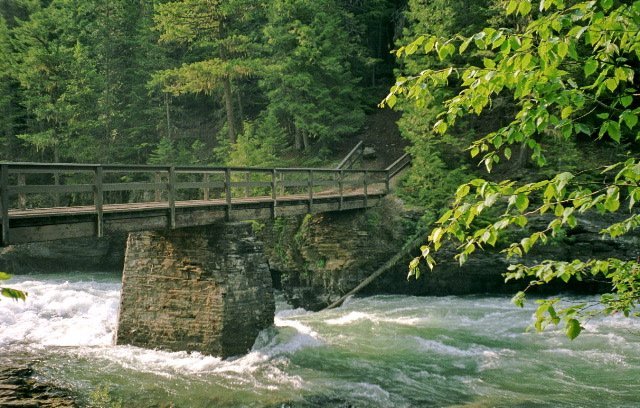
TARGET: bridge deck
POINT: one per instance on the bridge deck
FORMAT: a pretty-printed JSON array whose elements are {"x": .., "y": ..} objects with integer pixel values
[{"x": 100, "y": 199}]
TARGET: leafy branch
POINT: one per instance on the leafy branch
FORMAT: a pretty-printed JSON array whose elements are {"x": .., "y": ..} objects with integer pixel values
[{"x": 9, "y": 292}]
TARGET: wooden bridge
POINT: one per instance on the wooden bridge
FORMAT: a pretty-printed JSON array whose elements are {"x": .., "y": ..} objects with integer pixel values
[{"x": 41, "y": 202}]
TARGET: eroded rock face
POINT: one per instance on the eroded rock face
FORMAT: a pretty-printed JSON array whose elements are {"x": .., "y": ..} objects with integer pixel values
[
  {"x": 86, "y": 254},
  {"x": 19, "y": 388},
  {"x": 321, "y": 257},
  {"x": 205, "y": 289}
]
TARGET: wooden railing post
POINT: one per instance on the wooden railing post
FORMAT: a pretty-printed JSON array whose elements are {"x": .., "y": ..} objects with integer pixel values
[
  {"x": 365, "y": 182},
  {"x": 227, "y": 191},
  {"x": 386, "y": 182},
  {"x": 98, "y": 199},
  {"x": 310, "y": 174},
  {"x": 282, "y": 186},
  {"x": 158, "y": 179},
  {"x": 205, "y": 190},
  {"x": 4, "y": 202},
  {"x": 22, "y": 198},
  {"x": 340, "y": 188},
  {"x": 247, "y": 178},
  {"x": 171, "y": 187},
  {"x": 274, "y": 194},
  {"x": 56, "y": 195}
]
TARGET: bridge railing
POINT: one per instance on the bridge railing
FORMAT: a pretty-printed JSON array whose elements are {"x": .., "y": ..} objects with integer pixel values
[{"x": 92, "y": 188}]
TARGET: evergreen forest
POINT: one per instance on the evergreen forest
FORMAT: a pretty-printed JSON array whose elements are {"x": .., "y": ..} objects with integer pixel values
[{"x": 190, "y": 82}]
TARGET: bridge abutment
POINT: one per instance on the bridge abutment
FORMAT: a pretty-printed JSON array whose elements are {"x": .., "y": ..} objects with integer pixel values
[{"x": 205, "y": 289}]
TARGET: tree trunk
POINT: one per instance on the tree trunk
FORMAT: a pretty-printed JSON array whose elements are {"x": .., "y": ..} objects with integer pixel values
[
  {"x": 166, "y": 106},
  {"x": 305, "y": 140},
  {"x": 228, "y": 102},
  {"x": 298, "y": 139},
  {"x": 240, "y": 113}
]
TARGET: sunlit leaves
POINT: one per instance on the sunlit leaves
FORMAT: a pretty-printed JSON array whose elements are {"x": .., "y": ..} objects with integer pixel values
[
  {"x": 9, "y": 292},
  {"x": 571, "y": 71}
]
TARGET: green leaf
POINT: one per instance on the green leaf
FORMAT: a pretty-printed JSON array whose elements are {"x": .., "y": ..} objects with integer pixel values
[
  {"x": 626, "y": 100},
  {"x": 613, "y": 129},
  {"x": 522, "y": 202},
  {"x": 573, "y": 328},
  {"x": 4, "y": 276},
  {"x": 428, "y": 46},
  {"x": 518, "y": 299},
  {"x": 512, "y": 6},
  {"x": 611, "y": 83},
  {"x": 391, "y": 100},
  {"x": 606, "y": 4},
  {"x": 566, "y": 112},
  {"x": 465, "y": 44},
  {"x": 489, "y": 63},
  {"x": 440, "y": 126},
  {"x": 524, "y": 7},
  {"x": 612, "y": 202},
  {"x": 462, "y": 191},
  {"x": 13, "y": 294},
  {"x": 630, "y": 119},
  {"x": 590, "y": 66}
]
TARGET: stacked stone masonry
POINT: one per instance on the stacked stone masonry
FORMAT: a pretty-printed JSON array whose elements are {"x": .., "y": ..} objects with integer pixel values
[{"x": 205, "y": 289}]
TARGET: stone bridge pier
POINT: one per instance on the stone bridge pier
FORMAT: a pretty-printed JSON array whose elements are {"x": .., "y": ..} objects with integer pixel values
[{"x": 205, "y": 289}]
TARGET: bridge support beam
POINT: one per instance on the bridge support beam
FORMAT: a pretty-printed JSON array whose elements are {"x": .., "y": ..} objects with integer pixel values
[{"x": 205, "y": 289}]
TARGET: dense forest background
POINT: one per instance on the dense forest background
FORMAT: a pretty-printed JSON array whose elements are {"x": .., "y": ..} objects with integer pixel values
[
  {"x": 240, "y": 82},
  {"x": 189, "y": 81}
]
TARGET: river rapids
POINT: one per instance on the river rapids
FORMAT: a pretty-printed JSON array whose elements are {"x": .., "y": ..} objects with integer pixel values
[{"x": 380, "y": 351}]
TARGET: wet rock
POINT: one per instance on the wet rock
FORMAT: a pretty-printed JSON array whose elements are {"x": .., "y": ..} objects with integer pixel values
[
  {"x": 321, "y": 257},
  {"x": 83, "y": 254},
  {"x": 19, "y": 388},
  {"x": 369, "y": 153},
  {"x": 205, "y": 289}
]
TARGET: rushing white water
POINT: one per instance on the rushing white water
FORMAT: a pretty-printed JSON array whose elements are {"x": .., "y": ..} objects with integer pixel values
[{"x": 380, "y": 351}]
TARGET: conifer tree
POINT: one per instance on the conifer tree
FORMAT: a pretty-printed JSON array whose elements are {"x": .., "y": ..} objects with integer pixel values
[
  {"x": 309, "y": 80},
  {"x": 221, "y": 42}
]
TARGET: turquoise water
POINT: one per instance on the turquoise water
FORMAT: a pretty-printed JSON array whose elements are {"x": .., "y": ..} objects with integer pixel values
[{"x": 381, "y": 351}]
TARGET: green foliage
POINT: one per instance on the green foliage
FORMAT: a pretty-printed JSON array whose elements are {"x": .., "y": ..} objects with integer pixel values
[
  {"x": 437, "y": 165},
  {"x": 170, "y": 152},
  {"x": 222, "y": 36},
  {"x": 11, "y": 293},
  {"x": 258, "y": 145},
  {"x": 73, "y": 80},
  {"x": 114, "y": 81},
  {"x": 570, "y": 71},
  {"x": 308, "y": 79}
]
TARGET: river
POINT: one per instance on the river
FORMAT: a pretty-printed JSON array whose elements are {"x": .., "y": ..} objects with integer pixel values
[{"x": 380, "y": 351}]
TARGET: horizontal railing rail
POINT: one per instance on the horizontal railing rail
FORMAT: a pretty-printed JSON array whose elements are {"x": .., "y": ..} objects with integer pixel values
[{"x": 397, "y": 166}]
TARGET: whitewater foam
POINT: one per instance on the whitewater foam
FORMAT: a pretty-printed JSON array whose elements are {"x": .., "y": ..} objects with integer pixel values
[{"x": 61, "y": 314}]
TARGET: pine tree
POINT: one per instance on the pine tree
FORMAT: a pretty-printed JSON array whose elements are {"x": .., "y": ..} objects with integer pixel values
[
  {"x": 221, "y": 45},
  {"x": 309, "y": 81},
  {"x": 58, "y": 83}
]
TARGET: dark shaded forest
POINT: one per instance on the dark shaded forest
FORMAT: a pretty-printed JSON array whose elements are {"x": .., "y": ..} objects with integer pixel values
[{"x": 189, "y": 81}]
